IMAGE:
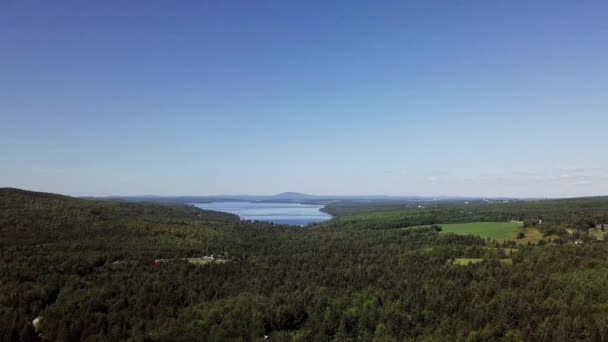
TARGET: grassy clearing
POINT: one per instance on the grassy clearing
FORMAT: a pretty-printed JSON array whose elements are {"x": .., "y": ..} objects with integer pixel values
[
  {"x": 494, "y": 230},
  {"x": 467, "y": 261},
  {"x": 532, "y": 235},
  {"x": 598, "y": 234},
  {"x": 195, "y": 261}
]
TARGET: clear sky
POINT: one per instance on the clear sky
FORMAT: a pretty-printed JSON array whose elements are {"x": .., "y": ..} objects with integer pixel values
[{"x": 489, "y": 98}]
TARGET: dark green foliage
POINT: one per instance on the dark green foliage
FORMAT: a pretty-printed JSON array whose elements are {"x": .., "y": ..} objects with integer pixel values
[{"x": 87, "y": 268}]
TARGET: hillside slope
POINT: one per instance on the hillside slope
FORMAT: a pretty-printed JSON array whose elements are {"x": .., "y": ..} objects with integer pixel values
[{"x": 107, "y": 271}]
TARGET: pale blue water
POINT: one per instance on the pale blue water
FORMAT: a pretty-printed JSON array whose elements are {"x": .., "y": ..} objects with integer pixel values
[{"x": 295, "y": 214}]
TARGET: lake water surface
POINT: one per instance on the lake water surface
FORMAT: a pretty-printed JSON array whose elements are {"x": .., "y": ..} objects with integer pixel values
[{"x": 295, "y": 214}]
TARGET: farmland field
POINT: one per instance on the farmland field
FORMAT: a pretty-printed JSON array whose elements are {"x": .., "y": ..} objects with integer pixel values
[{"x": 493, "y": 230}]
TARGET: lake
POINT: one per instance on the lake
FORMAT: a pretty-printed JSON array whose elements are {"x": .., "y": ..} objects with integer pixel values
[{"x": 295, "y": 214}]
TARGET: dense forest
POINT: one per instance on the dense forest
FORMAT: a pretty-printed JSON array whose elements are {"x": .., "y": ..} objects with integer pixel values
[{"x": 86, "y": 270}]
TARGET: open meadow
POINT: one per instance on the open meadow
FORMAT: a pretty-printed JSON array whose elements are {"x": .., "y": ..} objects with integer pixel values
[{"x": 494, "y": 230}]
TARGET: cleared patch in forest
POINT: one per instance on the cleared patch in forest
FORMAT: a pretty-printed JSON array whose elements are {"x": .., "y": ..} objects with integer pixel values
[
  {"x": 467, "y": 261},
  {"x": 598, "y": 234},
  {"x": 493, "y": 230},
  {"x": 531, "y": 235},
  {"x": 196, "y": 261}
]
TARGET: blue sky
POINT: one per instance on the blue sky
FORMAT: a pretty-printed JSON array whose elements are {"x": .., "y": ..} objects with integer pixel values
[{"x": 483, "y": 98}]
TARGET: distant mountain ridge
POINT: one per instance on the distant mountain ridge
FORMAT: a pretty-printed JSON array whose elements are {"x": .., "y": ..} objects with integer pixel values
[{"x": 293, "y": 195}]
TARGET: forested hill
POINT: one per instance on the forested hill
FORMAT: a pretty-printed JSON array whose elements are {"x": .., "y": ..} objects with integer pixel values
[
  {"x": 64, "y": 258},
  {"x": 86, "y": 270},
  {"x": 38, "y": 208}
]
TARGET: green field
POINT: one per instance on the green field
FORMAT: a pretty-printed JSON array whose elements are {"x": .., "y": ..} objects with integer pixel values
[{"x": 493, "y": 230}]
